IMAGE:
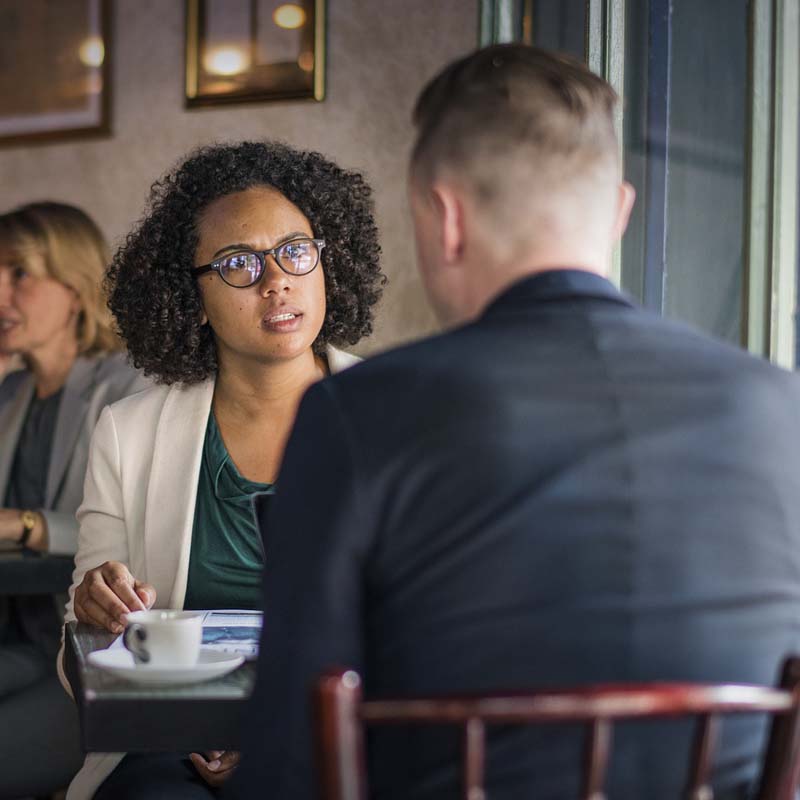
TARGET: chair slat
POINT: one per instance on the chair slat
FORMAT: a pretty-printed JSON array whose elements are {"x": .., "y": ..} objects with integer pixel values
[
  {"x": 474, "y": 759},
  {"x": 595, "y": 761},
  {"x": 340, "y": 737},
  {"x": 705, "y": 741}
]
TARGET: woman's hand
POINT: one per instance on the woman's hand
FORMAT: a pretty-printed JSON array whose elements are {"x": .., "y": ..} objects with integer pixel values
[
  {"x": 109, "y": 592},
  {"x": 10, "y": 524},
  {"x": 216, "y": 766},
  {"x": 11, "y": 528}
]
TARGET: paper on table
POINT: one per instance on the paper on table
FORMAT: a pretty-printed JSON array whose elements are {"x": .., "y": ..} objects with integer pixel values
[
  {"x": 232, "y": 631},
  {"x": 228, "y": 630}
]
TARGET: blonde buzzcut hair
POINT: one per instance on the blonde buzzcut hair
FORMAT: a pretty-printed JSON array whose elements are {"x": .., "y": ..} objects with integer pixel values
[
  {"x": 75, "y": 253},
  {"x": 517, "y": 124}
]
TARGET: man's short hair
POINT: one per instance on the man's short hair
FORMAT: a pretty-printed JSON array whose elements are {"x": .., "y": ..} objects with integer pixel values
[{"x": 511, "y": 118}]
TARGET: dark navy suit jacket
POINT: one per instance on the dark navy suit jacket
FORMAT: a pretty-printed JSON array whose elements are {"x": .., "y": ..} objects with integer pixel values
[{"x": 569, "y": 490}]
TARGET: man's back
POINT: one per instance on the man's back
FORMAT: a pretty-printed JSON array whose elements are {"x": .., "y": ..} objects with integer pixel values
[{"x": 567, "y": 491}]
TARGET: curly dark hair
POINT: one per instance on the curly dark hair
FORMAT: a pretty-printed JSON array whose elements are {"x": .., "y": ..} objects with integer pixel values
[{"x": 151, "y": 289}]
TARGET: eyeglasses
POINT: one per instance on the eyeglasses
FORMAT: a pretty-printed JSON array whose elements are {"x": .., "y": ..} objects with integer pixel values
[{"x": 243, "y": 268}]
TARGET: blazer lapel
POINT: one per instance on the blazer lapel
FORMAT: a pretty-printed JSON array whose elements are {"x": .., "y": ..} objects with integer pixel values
[
  {"x": 11, "y": 419},
  {"x": 172, "y": 490},
  {"x": 71, "y": 418},
  {"x": 339, "y": 361}
]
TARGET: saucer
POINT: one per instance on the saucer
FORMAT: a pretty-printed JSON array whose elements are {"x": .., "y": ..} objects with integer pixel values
[{"x": 120, "y": 662}]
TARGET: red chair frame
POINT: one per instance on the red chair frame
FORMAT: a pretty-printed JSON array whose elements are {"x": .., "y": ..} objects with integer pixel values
[{"x": 341, "y": 714}]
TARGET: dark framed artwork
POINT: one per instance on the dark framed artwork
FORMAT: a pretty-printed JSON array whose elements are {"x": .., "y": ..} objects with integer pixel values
[
  {"x": 54, "y": 69},
  {"x": 254, "y": 50}
]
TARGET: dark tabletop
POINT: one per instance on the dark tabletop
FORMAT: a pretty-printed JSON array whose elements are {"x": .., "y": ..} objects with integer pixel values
[
  {"x": 25, "y": 572},
  {"x": 119, "y": 716}
]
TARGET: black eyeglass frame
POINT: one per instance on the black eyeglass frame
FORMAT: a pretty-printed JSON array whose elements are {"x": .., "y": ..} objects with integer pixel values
[{"x": 261, "y": 255}]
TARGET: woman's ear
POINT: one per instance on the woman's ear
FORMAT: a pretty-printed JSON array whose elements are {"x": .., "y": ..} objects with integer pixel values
[
  {"x": 76, "y": 307},
  {"x": 203, "y": 315}
]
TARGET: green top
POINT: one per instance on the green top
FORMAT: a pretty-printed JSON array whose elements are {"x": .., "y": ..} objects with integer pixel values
[{"x": 227, "y": 556}]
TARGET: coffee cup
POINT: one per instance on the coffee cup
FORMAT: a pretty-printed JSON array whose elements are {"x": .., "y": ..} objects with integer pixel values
[{"x": 162, "y": 638}]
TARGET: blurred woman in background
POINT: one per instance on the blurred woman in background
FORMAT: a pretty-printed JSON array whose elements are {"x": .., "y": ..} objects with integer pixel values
[{"x": 55, "y": 324}]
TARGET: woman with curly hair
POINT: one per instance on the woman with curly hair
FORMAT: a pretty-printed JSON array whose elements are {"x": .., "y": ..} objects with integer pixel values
[{"x": 252, "y": 263}]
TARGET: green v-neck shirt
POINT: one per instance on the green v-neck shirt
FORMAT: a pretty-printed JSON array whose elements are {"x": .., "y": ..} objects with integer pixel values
[{"x": 227, "y": 556}]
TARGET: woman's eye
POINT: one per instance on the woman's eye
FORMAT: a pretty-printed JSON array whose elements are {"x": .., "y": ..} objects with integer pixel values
[
  {"x": 300, "y": 250},
  {"x": 18, "y": 272},
  {"x": 236, "y": 262}
]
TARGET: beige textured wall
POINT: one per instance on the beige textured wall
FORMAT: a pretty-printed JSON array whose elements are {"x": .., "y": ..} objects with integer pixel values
[{"x": 380, "y": 52}]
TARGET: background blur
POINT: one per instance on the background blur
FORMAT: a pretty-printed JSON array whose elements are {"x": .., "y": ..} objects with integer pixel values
[
  {"x": 708, "y": 125},
  {"x": 379, "y": 54}
]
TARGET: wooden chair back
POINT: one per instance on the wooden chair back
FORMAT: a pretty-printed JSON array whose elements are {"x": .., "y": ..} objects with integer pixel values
[{"x": 342, "y": 714}]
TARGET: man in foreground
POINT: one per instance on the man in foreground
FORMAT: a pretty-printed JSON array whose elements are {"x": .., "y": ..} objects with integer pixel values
[{"x": 563, "y": 489}]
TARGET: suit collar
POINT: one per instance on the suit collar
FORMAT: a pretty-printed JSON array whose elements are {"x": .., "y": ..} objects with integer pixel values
[
  {"x": 69, "y": 421},
  {"x": 71, "y": 416},
  {"x": 172, "y": 487},
  {"x": 554, "y": 285},
  {"x": 11, "y": 418}
]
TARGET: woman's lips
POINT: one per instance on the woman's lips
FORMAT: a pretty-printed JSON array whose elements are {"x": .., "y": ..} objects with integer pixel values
[{"x": 283, "y": 321}]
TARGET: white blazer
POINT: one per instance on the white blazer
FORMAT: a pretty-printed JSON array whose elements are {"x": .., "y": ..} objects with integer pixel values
[{"x": 138, "y": 504}]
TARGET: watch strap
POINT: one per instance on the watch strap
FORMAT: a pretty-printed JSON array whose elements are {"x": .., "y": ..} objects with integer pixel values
[{"x": 28, "y": 524}]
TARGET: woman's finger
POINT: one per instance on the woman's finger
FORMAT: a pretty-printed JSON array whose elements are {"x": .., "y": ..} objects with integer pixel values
[
  {"x": 95, "y": 614},
  {"x": 216, "y": 771},
  {"x": 117, "y": 577},
  {"x": 228, "y": 760},
  {"x": 107, "y": 599},
  {"x": 209, "y": 776},
  {"x": 146, "y": 593}
]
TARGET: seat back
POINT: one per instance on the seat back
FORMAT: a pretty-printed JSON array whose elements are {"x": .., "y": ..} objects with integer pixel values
[{"x": 342, "y": 714}]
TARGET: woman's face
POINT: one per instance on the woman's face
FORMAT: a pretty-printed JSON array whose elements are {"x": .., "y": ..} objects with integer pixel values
[
  {"x": 281, "y": 315},
  {"x": 36, "y": 311}
]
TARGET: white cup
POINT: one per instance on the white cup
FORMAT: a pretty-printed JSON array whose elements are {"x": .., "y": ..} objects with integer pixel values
[{"x": 164, "y": 638}]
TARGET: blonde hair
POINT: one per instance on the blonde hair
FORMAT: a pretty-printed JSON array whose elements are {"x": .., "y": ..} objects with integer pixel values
[{"x": 74, "y": 253}]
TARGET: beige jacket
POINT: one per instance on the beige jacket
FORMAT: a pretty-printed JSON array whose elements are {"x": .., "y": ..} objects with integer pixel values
[{"x": 138, "y": 504}]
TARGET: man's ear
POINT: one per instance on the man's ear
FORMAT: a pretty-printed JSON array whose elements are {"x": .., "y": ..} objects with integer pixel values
[
  {"x": 449, "y": 211},
  {"x": 626, "y": 195}
]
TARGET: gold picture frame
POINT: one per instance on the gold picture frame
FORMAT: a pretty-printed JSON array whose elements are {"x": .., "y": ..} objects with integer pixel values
[
  {"x": 242, "y": 51},
  {"x": 55, "y": 71}
]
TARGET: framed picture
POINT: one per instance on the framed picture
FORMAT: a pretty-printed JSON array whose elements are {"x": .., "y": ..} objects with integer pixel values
[
  {"x": 254, "y": 50},
  {"x": 54, "y": 69}
]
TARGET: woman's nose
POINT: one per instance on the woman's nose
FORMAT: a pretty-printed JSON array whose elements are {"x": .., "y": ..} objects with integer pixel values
[{"x": 274, "y": 280}]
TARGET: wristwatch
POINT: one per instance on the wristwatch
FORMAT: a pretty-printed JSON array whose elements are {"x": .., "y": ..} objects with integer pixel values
[{"x": 28, "y": 524}]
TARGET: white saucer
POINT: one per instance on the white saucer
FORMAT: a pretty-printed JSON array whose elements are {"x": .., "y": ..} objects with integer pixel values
[{"x": 120, "y": 663}]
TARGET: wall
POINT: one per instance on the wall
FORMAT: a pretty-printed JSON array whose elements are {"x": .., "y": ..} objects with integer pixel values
[{"x": 380, "y": 53}]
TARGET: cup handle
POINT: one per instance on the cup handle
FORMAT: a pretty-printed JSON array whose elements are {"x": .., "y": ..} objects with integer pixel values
[{"x": 133, "y": 638}]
